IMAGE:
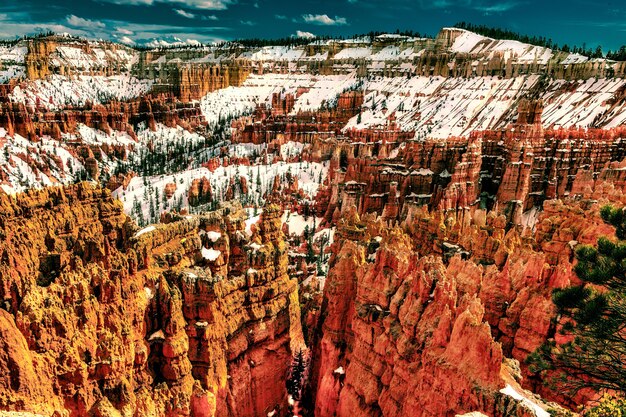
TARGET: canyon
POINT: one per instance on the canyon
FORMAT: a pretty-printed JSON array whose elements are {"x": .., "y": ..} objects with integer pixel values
[{"x": 363, "y": 227}]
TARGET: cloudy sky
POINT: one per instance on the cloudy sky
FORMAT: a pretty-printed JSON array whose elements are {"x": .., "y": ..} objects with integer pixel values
[{"x": 140, "y": 21}]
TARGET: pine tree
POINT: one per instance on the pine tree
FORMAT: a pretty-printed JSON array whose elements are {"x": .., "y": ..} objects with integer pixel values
[
  {"x": 153, "y": 212},
  {"x": 296, "y": 377},
  {"x": 310, "y": 250},
  {"x": 595, "y": 317}
]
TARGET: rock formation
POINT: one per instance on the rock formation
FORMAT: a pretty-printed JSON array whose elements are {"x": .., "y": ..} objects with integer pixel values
[
  {"x": 403, "y": 334},
  {"x": 191, "y": 318},
  {"x": 454, "y": 181}
]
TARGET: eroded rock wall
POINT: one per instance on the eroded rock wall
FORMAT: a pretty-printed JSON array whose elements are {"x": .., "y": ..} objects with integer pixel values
[{"x": 193, "y": 318}]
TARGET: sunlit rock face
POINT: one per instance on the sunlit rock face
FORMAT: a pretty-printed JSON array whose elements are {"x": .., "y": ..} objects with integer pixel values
[{"x": 189, "y": 318}]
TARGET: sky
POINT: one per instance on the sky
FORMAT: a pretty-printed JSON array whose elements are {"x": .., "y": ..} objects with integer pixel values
[{"x": 152, "y": 22}]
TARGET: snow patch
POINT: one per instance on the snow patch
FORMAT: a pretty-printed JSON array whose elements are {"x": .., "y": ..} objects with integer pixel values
[
  {"x": 145, "y": 230},
  {"x": 513, "y": 393},
  {"x": 210, "y": 254}
]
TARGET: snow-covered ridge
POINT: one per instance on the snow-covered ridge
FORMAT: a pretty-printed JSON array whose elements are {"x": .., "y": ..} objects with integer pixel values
[
  {"x": 470, "y": 42},
  {"x": 13, "y": 54},
  {"x": 258, "y": 89},
  {"x": 21, "y": 160},
  {"x": 12, "y": 59},
  {"x": 66, "y": 55},
  {"x": 432, "y": 107},
  {"x": 144, "y": 192},
  {"x": 435, "y": 107},
  {"x": 401, "y": 53},
  {"x": 57, "y": 91},
  {"x": 97, "y": 57},
  {"x": 439, "y": 107},
  {"x": 473, "y": 43}
]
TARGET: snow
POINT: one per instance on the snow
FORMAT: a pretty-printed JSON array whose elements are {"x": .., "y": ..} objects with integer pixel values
[
  {"x": 275, "y": 53},
  {"x": 58, "y": 91},
  {"x": 12, "y": 59},
  {"x": 438, "y": 107},
  {"x": 291, "y": 149},
  {"x": 574, "y": 59},
  {"x": 323, "y": 89},
  {"x": 393, "y": 52},
  {"x": 423, "y": 172},
  {"x": 530, "y": 217},
  {"x": 433, "y": 107},
  {"x": 255, "y": 246},
  {"x": 512, "y": 392},
  {"x": 585, "y": 103},
  {"x": 158, "y": 335},
  {"x": 148, "y": 292},
  {"x": 11, "y": 71},
  {"x": 93, "y": 136},
  {"x": 308, "y": 174},
  {"x": 145, "y": 230},
  {"x": 354, "y": 53},
  {"x": 469, "y": 42},
  {"x": 297, "y": 223},
  {"x": 15, "y": 54},
  {"x": 210, "y": 254},
  {"x": 258, "y": 89},
  {"x": 466, "y": 42},
  {"x": 213, "y": 236},
  {"x": 95, "y": 57},
  {"x": 18, "y": 154}
]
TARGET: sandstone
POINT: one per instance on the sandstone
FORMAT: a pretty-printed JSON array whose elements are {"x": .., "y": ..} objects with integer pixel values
[{"x": 121, "y": 324}]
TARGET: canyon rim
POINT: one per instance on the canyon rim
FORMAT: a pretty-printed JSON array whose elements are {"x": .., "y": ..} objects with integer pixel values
[{"x": 388, "y": 224}]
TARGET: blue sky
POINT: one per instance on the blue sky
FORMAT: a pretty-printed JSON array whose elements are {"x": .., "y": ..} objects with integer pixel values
[{"x": 140, "y": 21}]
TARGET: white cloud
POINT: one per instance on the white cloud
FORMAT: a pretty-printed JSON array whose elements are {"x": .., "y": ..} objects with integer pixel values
[
  {"x": 147, "y": 33},
  {"x": 302, "y": 34},
  {"x": 206, "y": 4},
  {"x": 280, "y": 16},
  {"x": 127, "y": 40},
  {"x": 12, "y": 26},
  {"x": 131, "y": 2},
  {"x": 10, "y": 30},
  {"x": 247, "y": 22},
  {"x": 324, "y": 19},
  {"x": 496, "y": 8},
  {"x": 183, "y": 13},
  {"x": 79, "y": 22},
  {"x": 190, "y": 4}
]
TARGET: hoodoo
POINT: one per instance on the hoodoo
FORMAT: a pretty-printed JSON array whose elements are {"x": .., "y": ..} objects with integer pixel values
[{"x": 390, "y": 225}]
